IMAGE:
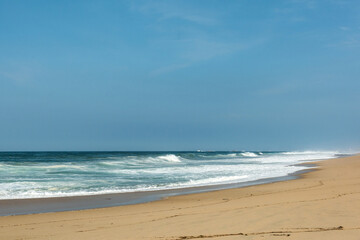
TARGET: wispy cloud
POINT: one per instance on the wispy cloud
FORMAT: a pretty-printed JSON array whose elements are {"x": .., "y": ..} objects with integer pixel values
[
  {"x": 172, "y": 10},
  {"x": 349, "y": 37},
  {"x": 19, "y": 73},
  {"x": 201, "y": 50},
  {"x": 199, "y": 36},
  {"x": 309, "y": 4},
  {"x": 169, "y": 68},
  {"x": 351, "y": 42},
  {"x": 283, "y": 88},
  {"x": 344, "y": 28}
]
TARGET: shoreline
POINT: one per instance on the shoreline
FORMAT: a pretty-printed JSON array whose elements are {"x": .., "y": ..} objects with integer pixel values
[
  {"x": 321, "y": 204},
  {"x": 13, "y": 207}
]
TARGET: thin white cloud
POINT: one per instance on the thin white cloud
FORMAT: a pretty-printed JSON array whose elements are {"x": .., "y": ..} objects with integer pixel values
[
  {"x": 351, "y": 42},
  {"x": 171, "y": 10},
  {"x": 344, "y": 28},
  {"x": 280, "y": 89},
  {"x": 201, "y": 50},
  {"x": 349, "y": 38},
  {"x": 19, "y": 73},
  {"x": 194, "y": 42},
  {"x": 309, "y": 4},
  {"x": 169, "y": 68}
]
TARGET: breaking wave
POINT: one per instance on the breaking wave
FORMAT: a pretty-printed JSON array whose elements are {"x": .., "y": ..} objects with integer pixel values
[
  {"x": 38, "y": 175},
  {"x": 249, "y": 154},
  {"x": 170, "y": 158}
]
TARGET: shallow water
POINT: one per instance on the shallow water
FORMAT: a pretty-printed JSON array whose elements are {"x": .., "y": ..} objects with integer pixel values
[{"x": 57, "y": 174}]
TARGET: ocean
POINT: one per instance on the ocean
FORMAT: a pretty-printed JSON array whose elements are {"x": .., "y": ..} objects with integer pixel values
[{"x": 26, "y": 175}]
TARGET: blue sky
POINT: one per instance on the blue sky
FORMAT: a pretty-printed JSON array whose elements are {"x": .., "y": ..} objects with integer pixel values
[{"x": 179, "y": 75}]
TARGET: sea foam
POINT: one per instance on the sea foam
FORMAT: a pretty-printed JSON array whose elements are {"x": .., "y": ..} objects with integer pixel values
[
  {"x": 39, "y": 175},
  {"x": 170, "y": 158},
  {"x": 249, "y": 154}
]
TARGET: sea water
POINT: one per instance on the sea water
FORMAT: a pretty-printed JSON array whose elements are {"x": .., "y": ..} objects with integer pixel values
[{"x": 58, "y": 174}]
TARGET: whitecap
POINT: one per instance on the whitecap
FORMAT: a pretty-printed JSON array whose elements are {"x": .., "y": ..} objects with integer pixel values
[
  {"x": 249, "y": 154},
  {"x": 309, "y": 152},
  {"x": 170, "y": 158}
]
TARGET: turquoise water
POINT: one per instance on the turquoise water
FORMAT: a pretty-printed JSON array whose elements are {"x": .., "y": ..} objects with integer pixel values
[{"x": 55, "y": 174}]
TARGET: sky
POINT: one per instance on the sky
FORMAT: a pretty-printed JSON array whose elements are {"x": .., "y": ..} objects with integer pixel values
[{"x": 179, "y": 75}]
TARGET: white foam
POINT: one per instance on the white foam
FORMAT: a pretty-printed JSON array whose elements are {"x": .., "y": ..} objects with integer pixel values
[
  {"x": 294, "y": 157},
  {"x": 249, "y": 154},
  {"x": 21, "y": 190},
  {"x": 170, "y": 158},
  {"x": 310, "y": 153},
  {"x": 62, "y": 166},
  {"x": 151, "y": 172},
  {"x": 228, "y": 155},
  {"x": 216, "y": 180}
]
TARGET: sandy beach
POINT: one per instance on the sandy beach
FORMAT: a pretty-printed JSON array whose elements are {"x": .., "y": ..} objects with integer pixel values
[{"x": 322, "y": 204}]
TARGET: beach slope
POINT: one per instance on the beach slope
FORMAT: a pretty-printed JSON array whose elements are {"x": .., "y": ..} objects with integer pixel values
[{"x": 322, "y": 204}]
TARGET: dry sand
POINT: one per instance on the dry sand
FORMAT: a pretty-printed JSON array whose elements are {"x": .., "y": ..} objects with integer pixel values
[{"x": 323, "y": 204}]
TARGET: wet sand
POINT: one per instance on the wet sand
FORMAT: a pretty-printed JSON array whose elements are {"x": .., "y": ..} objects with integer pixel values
[{"x": 322, "y": 204}]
